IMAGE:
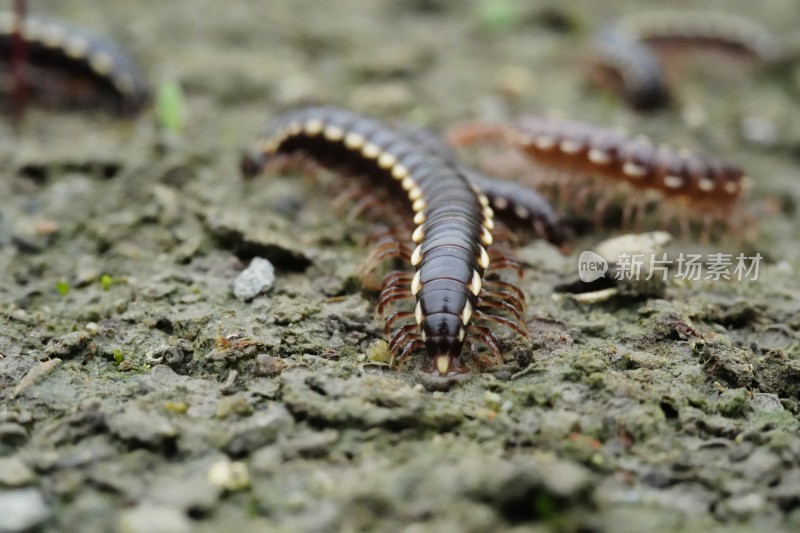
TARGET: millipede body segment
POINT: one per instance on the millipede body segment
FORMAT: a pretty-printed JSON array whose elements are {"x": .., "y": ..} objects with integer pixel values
[
  {"x": 452, "y": 218},
  {"x": 72, "y": 66},
  {"x": 521, "y": 202}
]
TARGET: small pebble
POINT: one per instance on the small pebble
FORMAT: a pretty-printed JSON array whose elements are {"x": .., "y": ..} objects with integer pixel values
[
  {"x": 493, "y": 400},
  {"x": 269, "y": 366},
  {"x": 146, "y": 428},
  {"x": 22, "y": 510},
  {"x": 258, "y": 430},
  {"x": 70, "y": 345},
  {"x": 154, "y": 518},
  {"x": 229, "y": 475},
  {"x": 192, "y": 494},
  {"x": 257, "y": 278},
  {"x": 760, "y": 131},
  {"x": 14, "y": 473}
]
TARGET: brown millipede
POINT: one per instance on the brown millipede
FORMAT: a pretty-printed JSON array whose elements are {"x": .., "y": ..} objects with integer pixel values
[
  {"x": 71, "y": 66},
  {"x": 707, "y": 184}
]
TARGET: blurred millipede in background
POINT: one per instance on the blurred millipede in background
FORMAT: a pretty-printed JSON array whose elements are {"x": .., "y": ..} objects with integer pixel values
[
  {"x": 629, "y": 56},
  {"x": 66, "y": 66}
]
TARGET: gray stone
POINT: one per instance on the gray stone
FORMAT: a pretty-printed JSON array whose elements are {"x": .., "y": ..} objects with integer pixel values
[
  {"x": 766, "y": 403},
  {"x": 14, "y": 473},
  {"x": 559, "y": 424},
  {"x": 172, "y": 355},
  {"x": 259, "y": 430},
  {"x": 69, "y": 345},
  {"x": 147, "y": 428},
  {"x": 21, "y": 510},
  {"x": 258, "y": 277},
  {"x": 154, "y": 518},
  {"x": 744, "y": 506},
  {"x": 193, "y": 494},
  {"x": 267, "y": 365}
]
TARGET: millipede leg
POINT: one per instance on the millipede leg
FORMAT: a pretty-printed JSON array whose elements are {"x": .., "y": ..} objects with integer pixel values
[
  {"x": 487, "y": 337},
  {"x": 401, "y": 335},
  {"x": 581, "y": 198},
  {"x": 685, "y": 227},
  {"x": 410, "y": 346},
  {"x": 600, "y": 210},
  {"x": 498, "y": 284},
  {"x": 379, "y": 232},
  {"x": 633, "y": 210},
  {"x": 396, "y": 278},
  {"x": 505, "y": 306},
  {"x": 387, "y": 247},
  {"x": 502, "y": 233},
  {"x": 350, "y": 195},
  {"x": 705, "y": 232},
  {"x": 369, "y": 202},
  {"x": 640, "y": 207},
  {"x": 391, "y": 239},
  {"x": 504, "y": 262},
  {"x": 392, "y": 295},
  {"x": 503, "y": 296},
  {"x": 468, "y": 133},
  {"x": 399, "y": 315},
  {"x": 405, "y": 340},
  {"x": 478, "y": 315}
]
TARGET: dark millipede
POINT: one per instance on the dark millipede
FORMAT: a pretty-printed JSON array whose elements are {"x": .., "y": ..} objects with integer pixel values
[
  {"x": 72, "y": 66},
  {"x": 453, "y": 229},
  {"x": 627, "y": 53}
]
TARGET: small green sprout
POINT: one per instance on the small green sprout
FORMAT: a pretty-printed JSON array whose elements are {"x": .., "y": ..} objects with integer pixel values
[
  {"x": 62, "y": 287},
  {"x": 106, "y": 281},
  {"x": 498, "y": 15},
  {"x": 170, "y": 106}
]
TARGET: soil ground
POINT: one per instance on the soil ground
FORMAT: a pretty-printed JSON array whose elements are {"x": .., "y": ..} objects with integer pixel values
[{"x": 138, "y": 394}]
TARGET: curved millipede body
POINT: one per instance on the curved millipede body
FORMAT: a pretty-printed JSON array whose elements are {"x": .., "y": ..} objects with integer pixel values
[
  {"x": 453, "y": 225},
  {"x": 72, "y": 66},
  {"x": 521, "y": 202},
  {"x": 626, "y": 53}
]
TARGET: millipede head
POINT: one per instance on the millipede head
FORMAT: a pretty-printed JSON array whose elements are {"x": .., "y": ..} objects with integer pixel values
[
  {"x": 442, "y": 345},
  {"x": 250, "y": 164}
]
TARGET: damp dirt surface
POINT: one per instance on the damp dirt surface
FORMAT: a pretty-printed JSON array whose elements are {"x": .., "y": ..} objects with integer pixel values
[{"x": 137, "y": 393}]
